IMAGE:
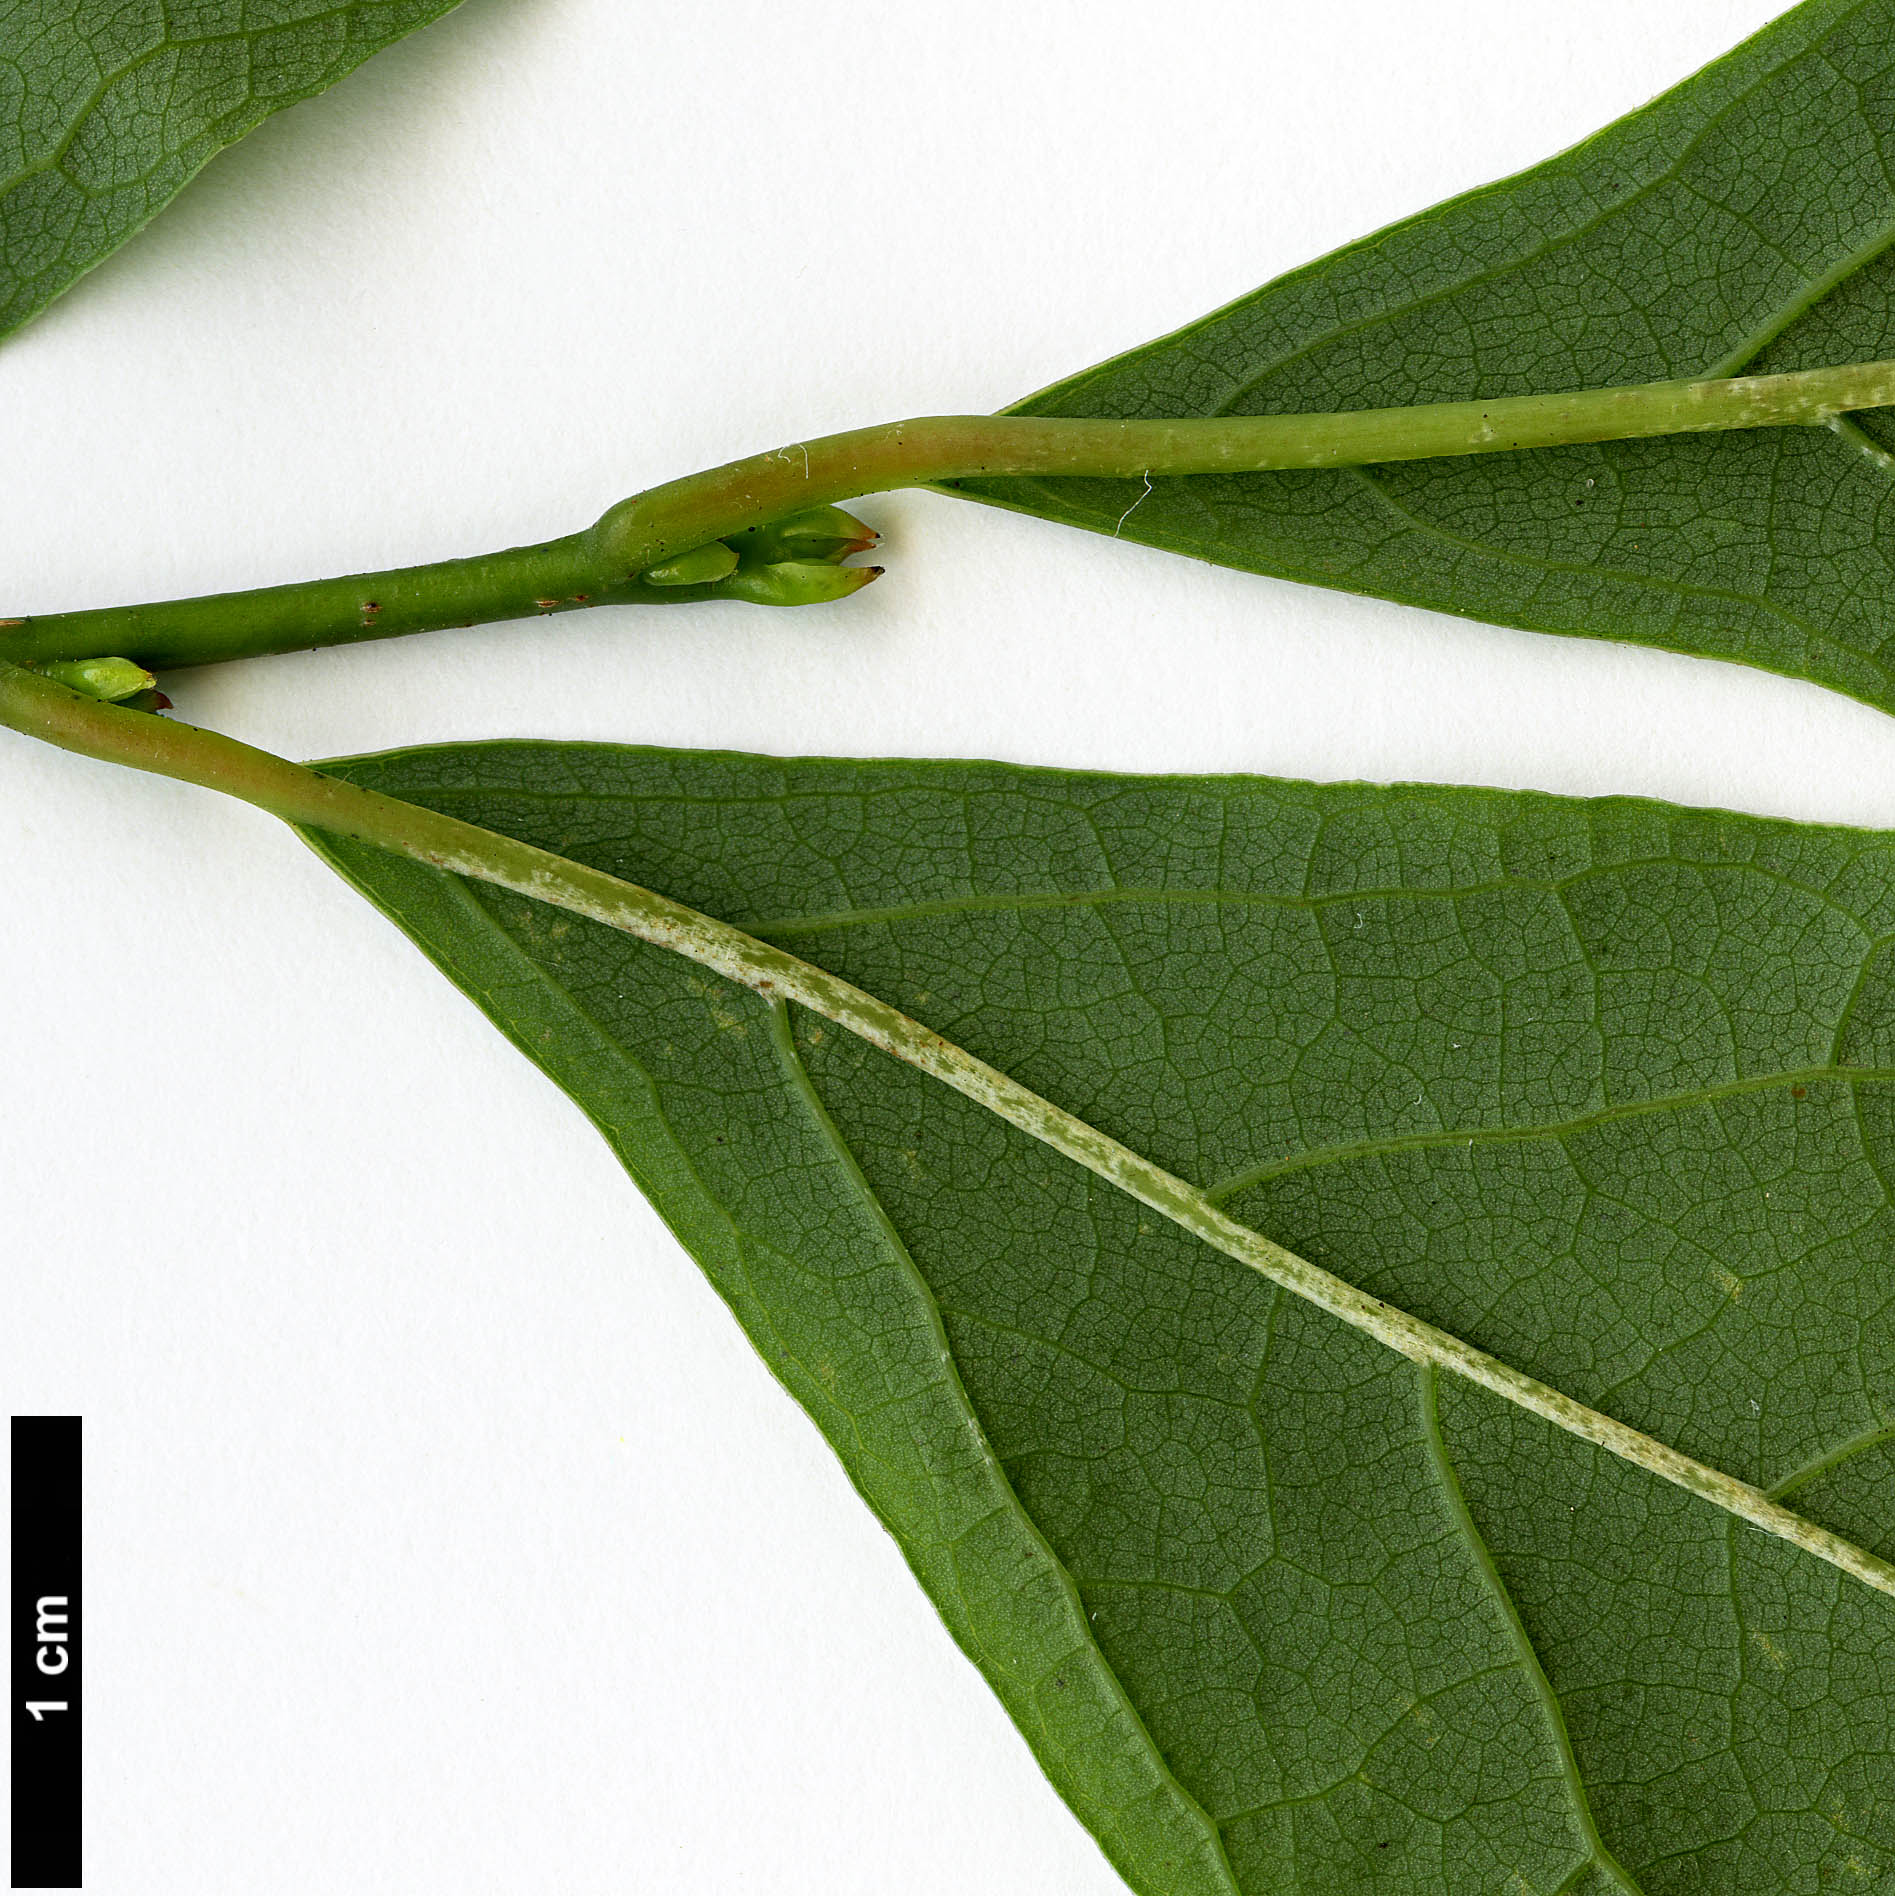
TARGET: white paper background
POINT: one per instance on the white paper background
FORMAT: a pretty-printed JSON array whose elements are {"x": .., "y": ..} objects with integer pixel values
[{"x": 444, "y": 1532}]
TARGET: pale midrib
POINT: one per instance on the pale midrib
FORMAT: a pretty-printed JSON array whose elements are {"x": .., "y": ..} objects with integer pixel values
[
  {"x": 445, "y": 844},
  {"x": 1264, "y": 1172},
  {"x": 1525, "y": 1653}
]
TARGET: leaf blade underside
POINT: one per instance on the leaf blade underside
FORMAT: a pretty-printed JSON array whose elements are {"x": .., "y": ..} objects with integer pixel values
[
  {"x": 108, "y": 108},
  {"x": 1613, "y": 1098},
  {"x": 1741, "y": 222}
]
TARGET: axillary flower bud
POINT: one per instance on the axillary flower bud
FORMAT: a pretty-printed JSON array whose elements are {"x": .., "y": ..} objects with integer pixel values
[
  {"x": 111, "y": 680},
  {"x": 823, "y": 534},
  {"x": 793, "y": 562},
  {"x": 702, "y": 566},
  {"x": 796, "y": 583}
]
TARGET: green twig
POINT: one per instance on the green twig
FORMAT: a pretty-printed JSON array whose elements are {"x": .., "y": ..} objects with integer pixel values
[
  {"x": 43, "y": 708},
  {"x": 607, "y": 563}
]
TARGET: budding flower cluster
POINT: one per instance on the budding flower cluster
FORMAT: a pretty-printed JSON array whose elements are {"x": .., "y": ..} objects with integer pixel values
[{"x": 794, "y": 562}]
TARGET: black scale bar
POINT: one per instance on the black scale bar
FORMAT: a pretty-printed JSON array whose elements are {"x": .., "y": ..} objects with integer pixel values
[{"x": 47, "y": 1669}]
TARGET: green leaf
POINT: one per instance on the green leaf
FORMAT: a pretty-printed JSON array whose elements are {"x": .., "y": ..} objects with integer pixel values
[
  {"x": 1606, "y": 1088},
  {"x": 109, "y": 108},
  {"x": 1742, "y": 221}
]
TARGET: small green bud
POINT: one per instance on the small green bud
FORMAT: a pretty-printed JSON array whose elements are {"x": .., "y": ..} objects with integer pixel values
[
  {"x": 702, "y": 566},
  {"x": 796, "y": 583},
  {"x": 824, "y": 533},
  {"x": 108, "y": 679}
]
